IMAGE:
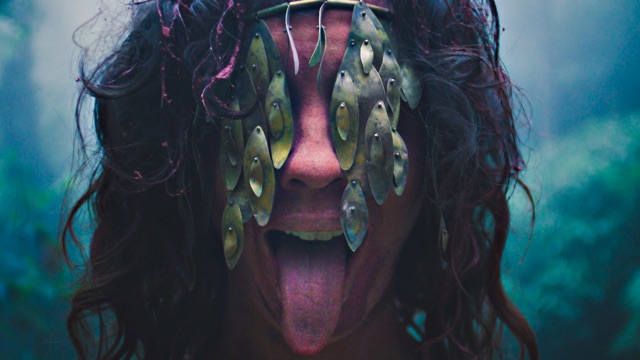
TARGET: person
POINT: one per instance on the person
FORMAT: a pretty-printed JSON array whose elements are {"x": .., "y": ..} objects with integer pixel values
[{"x": 306, "y": 179}]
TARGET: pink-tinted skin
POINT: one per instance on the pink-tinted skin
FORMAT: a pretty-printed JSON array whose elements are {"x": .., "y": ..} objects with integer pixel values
[{"x": 308, "y": 195}]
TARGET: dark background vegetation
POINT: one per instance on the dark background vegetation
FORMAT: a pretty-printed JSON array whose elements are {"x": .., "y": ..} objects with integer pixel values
[{"x": 576, "y": 276}]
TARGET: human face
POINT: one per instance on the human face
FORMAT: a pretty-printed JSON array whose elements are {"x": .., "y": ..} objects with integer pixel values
[{"x": 318, "y": 292}]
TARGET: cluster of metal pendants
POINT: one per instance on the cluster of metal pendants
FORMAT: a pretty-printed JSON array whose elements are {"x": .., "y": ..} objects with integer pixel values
[{"x": 365, "y": 108}]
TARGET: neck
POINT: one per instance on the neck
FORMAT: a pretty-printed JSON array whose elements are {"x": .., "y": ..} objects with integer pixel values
[{"x": 248, "y": 335}]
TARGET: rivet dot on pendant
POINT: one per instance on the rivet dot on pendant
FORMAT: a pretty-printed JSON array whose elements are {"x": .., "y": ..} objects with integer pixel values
[
  {"x": 352, "y": 210},
  {"x": 342, "y": 104},
  {"x": 380, "y": 105},
  {"x": 279, "y": 72},
  {"x": 255, "y": 159},
  {"x": 275, "y": 104},
  {"x": 257, "y": 35},
  {"x": 366, "y": 42},
  {"x": 253, "y": 66},
  {"x": 342, "y": 73},
  {"x": 352, "y": 43},
  {"x": 364, "y": 14},
  {"x": 397, "y": 155},
  {"x": 376, "y": 136},
  {"x": 354, "y": 183},
  {"x": 389, "y": 51},
  {"x": 392, "y": 81},
  {"x": 394, "y": 129},
  {"x": 230, "y": 229},
  {"x": 258, "y": 130}
]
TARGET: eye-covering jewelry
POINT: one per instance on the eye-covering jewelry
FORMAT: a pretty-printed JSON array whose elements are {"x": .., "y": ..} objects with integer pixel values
[{"x": 364, "y": 110}]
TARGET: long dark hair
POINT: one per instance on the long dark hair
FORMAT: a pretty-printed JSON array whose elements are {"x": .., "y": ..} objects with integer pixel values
[{"x": 154, "y": 284}]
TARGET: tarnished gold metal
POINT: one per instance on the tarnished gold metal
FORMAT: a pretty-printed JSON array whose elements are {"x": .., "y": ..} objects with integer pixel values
[
  {"x": 411, "y": 88},
  {"x": 345, "y": 137},
  {"x": 256, "y": 176},
  {"x": 270, "y": 48},
  {"x": 343, "y": 121},
  {"x": 391, "y": 77},
  {"x": 354, "y": 215},
  {"x": 366, "y": 56},
  {"x": 379, "y": 146},
  {"x": 365, "y": 27},
  {"x": 258, "y": 64},
  {"x": 278, "y": 106},
  {"x": 400, "y": 163},
  {"x": 232, "y": 234},
  {"x": 232, "y": 146},
  {"x": 276, "y": 122},
  {"x": 257, "y": 147},
  {"x": 241, "y": 196}
]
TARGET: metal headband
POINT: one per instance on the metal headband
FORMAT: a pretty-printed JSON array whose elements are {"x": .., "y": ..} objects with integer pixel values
[{"x": 364, "y": 110}]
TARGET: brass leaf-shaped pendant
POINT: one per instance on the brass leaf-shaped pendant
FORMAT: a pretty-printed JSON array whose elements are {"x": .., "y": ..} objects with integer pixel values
[
  {"x": 232, "y": 234},
  {"x": 354, "y": 215},
  {"x": 278, "y": 106},
  {"x": 400, "y": 163},
  {"x": 366, "y": 56},
  {"x": 256, "y": 176},
  {"x": 270, "y": 47},
  {"x": 257, "y": 64},
  {"x": 231, "y": 149},
  {"x": 391, "y": 77},
  {"x": 257, "y": 147},
  {"x": 365, "y": 27},
  {"x": 345, "y": 120},
  {"x": 411, "y": 88},
  {"x": 379, "y": 147}
]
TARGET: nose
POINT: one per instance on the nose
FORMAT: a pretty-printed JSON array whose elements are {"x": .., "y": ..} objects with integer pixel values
[{"x": 312, "y": 163}]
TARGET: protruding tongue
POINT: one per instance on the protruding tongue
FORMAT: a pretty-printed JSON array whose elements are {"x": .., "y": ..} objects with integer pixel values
[{"x": 311, "y": 278}]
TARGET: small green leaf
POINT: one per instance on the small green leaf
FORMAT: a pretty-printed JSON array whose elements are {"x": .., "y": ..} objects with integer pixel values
[{"x": 320, "y": 49}]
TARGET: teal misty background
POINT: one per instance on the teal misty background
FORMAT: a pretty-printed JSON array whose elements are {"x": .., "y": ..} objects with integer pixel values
[{"x": 576, "y": 276}]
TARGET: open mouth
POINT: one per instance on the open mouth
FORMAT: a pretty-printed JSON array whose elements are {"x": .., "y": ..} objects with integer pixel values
[{"x": 313, "y": 241}]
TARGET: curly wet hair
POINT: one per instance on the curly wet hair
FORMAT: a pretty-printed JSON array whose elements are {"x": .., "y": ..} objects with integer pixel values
[{"x": 154, "y": 283}]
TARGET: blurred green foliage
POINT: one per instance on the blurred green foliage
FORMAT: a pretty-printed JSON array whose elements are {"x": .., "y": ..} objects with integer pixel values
[
  {"x": 33, "y": 276},
  {"x": 579, "y": 284}
]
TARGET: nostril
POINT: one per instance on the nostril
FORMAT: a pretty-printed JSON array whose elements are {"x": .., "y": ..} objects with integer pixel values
[{"x": 295, "y": 183}]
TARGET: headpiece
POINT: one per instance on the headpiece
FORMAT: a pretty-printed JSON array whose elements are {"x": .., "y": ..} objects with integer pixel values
[{"x": 364, "y": 113}]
